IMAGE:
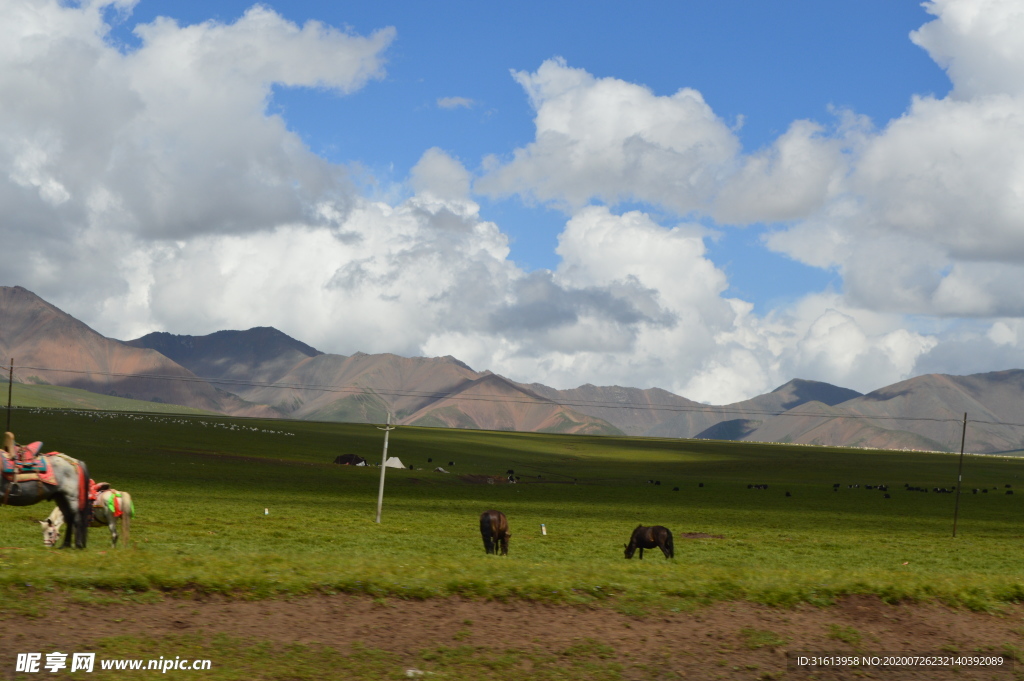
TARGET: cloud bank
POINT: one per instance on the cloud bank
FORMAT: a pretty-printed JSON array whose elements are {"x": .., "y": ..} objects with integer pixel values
[
  {"x": 154, "y": 189},
  {"x": 923, "y": 218}
]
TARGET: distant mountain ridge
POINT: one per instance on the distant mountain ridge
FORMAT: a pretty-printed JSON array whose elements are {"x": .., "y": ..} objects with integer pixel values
[
  {"x": 747, "y": 416},
  {"x": 51, "y": 346},
  {"x": 264, "y": 372},
  {"x": 301, "y": 382},
  {"x": 259, "y": 355},
  {"x": 658, "y": 413},
  {"x": 920, "y": 413}
]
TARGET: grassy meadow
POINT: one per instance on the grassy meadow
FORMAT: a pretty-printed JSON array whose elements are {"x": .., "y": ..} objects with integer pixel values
[
  {"x": 201, "y": 484},
  {"x": 55, "y": 396}
]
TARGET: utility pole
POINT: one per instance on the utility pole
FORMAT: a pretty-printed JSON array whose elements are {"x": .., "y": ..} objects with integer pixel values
[
  {"x": 10, "y": 391},
  {"x": 383, "y": 465},
  {"x": 960, "y": 475}
]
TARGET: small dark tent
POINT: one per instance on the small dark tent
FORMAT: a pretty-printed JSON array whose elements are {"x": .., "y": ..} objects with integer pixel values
[{"x": 350, "y": 460}]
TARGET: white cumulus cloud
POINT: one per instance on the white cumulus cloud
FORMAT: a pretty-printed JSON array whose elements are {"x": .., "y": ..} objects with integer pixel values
[
  {"x": 614, "y": 140},
  {"x": 455, "y": 103},
  {"x": 929, "y": 218},
  {"x": 102, "y": 151}
]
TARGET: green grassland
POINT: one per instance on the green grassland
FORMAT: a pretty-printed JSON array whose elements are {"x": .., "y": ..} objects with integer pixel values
[
  {"x": 201, "y": 484},
  {"x": 55, "y": 396}
]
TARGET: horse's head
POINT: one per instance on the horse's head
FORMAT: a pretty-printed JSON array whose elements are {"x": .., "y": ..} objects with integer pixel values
[
  {"x": 51, "y": 532},
  {"x": 629, "y": 551}
]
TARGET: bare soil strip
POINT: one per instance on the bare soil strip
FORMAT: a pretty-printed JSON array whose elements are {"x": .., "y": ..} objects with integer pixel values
[{"x": 734, "y": 640}]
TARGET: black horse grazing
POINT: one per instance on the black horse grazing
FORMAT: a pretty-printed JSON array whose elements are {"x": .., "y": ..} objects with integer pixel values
[
  {"x": 494, "y": 530},
  {"x": 649, "y": 538}
]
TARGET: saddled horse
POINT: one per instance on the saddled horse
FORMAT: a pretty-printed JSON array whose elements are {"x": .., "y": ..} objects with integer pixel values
[
  {"x": 649, "y": 538},
  {"x": 29, "y": 478},
  {"x": 109, "y": 506},
  {"x": 494, "y": 530}
]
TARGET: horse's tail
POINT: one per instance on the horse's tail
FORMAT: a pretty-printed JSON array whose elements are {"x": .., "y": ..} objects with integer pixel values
[
  {"x": 84, "y": 515},
  {"x": 487, "y": 531},
  {"x": 84, "y": 507},
  {"x": 127, "y": 511},
  {"x": 668, "y": 543}
]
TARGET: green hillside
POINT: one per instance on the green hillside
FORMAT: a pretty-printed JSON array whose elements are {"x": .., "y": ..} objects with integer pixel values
[{"x": 54, "y": 396}]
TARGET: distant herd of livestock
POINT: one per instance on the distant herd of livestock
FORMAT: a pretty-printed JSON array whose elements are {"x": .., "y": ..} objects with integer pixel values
[
  {"x": 495, "y": 532},
  {"x": 906, "y": 486}
]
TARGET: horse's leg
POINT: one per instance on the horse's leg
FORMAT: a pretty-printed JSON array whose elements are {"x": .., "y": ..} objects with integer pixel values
[
  {"x": 486, "y": 533},
  {"x": 641, "y": 553},
  {"x": 69, "y": 519},
  {"x": 126, "y": 519},
  {"x": 78, "y": 526},
  {"x": 112, "y": 524}
]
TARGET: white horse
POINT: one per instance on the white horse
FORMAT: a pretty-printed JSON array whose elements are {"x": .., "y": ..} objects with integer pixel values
[
  {"x": 110, "y": 505},
  {"x": 29, "y": 477}
]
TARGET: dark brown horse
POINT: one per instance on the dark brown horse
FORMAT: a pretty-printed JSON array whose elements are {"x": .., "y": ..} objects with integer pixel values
[
  {"x": 649, "y": 538},
  {"x": 494, "y": 530}
]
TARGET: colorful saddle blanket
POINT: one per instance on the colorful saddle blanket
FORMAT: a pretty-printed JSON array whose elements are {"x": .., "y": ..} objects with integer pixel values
[
  {"x": 103, "y": 495},
  {"x": 28, "y": 454},
  {"x": 115, "y": 505},
  {"x": 27, "y": 465}
]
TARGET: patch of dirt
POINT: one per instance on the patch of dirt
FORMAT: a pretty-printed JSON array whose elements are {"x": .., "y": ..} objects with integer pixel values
[
  {"x": 700, "y": 535},
  {"x": 732, "y": 640}
]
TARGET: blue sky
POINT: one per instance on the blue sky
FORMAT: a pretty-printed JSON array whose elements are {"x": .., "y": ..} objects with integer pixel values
[
  {"x": 712, "y": 197},
  {"x": 761, "y": 64}
]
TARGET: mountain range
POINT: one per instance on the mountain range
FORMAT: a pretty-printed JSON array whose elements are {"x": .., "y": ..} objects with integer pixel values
[{"x": 266, "y": 373}]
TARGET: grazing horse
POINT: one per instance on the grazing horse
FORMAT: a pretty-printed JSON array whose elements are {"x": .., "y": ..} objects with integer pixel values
[
  {"x": 649, "y": 538},
  {"x": 109, "y": 505},
  {"x": 494, "y": 530},
  {"x": 29, "y": 478}
]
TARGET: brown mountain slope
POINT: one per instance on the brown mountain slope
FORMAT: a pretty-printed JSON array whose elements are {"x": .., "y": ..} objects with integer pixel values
[
  {"x": 51, "y": 346},
  {"x": 742, "y": 418},
  {"x": 650, "y": 412},
  {"x": 922, "y": 413},
  {"x": 658, "y": 413},
  {"x": 927, "y": 410},
  {"x": 793, "y": 394},
  {"x": 495, "y": 403},
  {"x": 259, "y": 355},
  {"x": 308, "y": 384},
  {"x": 363, "y": 387},
  {"x": 438, "y": 391},
  {"x": 819, "y": 424}
]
